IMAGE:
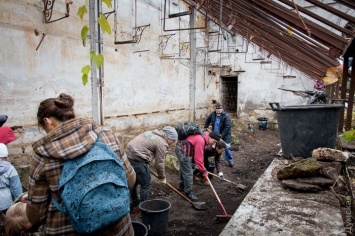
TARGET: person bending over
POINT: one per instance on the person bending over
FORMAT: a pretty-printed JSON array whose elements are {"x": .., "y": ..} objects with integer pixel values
[
  {"x": 189, "y": 152},
  {"x": 140, "y": 152}
]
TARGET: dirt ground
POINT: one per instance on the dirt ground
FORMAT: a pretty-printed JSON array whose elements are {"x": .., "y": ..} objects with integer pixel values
[{"x": 252, "y": 156}]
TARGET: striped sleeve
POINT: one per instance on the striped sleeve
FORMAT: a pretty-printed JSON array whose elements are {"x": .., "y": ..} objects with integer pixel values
[{"x": 38, "y": 192}]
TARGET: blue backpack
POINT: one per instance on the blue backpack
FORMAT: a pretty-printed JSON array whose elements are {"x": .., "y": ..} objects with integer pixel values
[{"x": 94, "y": 189}]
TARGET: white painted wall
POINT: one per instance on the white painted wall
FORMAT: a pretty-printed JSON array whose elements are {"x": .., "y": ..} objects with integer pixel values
[{"x": 142, "y": 90}]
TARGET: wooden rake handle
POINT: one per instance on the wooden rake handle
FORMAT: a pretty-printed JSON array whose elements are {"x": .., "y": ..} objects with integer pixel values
[
  {"x": 241, "y": 186},
  {"x": 173, "y": 188},
  {"x": 219, "y": 200}
]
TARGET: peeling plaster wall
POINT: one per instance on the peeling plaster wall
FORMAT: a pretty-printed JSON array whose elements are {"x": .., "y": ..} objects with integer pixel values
[{"x": 141, "y": 91}]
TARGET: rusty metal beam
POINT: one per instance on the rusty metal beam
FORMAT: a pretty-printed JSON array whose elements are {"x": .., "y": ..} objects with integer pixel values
[
  {"x": 291, "y": 54},
  {"x": 293, "y": 46},
  {"x": 319, "y": 18},
  {"x": 255, "y": 17},
  {"x": 348, "y": 3},
  {"x": 267, "y": 29},
  {"x": 332, "y": 10},
  {"x": 344, "y": 82},
  {"x": 350, "y": 97},
  {"x": 321, "y": 34},
  {"x": 303, "y": 47},
  {"x": 266, "y": 22}
]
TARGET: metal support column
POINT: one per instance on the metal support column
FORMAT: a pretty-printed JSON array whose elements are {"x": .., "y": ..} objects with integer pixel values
[
  {"x": 344, "y": 82},
  {"x": 350, "y": 107},
  {"x": 192, "y": 87},
  {"x": 95, "y": 8}
]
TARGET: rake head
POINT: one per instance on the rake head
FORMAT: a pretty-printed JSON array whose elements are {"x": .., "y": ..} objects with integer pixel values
[{"x": 222, "y": 218}]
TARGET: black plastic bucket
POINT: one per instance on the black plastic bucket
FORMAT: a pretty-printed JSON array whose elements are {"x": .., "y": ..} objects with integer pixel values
[
  {"x": 303, "y": 128},
  {"x": 262, "y": 122},
  {"x": 139, "y": 229},
  {"x": 155, "y": 216}
]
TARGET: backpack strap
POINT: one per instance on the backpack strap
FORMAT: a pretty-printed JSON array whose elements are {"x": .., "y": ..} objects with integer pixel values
[
  {"x": 99, "y": 136},
  {"x": 58, "y": 206},
  {"x": 203, "y": 136}
]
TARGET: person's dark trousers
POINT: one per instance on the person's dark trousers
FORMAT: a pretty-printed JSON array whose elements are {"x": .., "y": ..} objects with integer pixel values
[
  {"x": 185, "y": 170},
  {"x": 143, "y": 178}
]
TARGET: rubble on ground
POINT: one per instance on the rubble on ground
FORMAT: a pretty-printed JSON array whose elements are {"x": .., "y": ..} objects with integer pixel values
[{"x": 316, "y": 173}]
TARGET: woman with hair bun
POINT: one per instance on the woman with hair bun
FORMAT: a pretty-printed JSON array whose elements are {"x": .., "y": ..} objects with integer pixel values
[{"x": 67, "y": 137}]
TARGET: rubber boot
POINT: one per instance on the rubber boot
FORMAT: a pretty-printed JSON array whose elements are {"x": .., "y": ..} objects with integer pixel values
[
  {"x": 181, "y": 186},
  {"x": 192, "y": 197},
  {"x": 204, "y": 182}
]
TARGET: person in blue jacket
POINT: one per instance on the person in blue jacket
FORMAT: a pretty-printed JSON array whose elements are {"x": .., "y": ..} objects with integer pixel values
[
  {"x": 10, "y": 183},
  {"x": 222, "y": 123}
]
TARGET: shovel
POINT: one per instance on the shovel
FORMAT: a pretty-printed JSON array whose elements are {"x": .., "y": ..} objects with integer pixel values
[
  {"x": 240, "y": 187},
  {"x": 200, "y": 206}
]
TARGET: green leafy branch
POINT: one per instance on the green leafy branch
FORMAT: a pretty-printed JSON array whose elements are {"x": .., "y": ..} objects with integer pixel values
[
  {"x": 349, "y": 135},
  {"x": 98, "y": 59}
]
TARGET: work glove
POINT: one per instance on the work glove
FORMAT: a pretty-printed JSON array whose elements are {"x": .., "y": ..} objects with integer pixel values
[
  {"x": 163, "y": 180},
  {"x": 205, "y": 174},
  {"x": 221, "y": 176}
]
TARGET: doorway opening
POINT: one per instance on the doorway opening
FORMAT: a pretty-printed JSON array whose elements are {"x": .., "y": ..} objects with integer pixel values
[{"x": 229, "y": 93}]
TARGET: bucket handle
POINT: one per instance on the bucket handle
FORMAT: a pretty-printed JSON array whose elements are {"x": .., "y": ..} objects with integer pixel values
[{"x": 275, "y": 106}]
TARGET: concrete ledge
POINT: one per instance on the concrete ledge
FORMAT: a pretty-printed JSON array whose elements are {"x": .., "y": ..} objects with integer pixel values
[{"x": 269, "y": 209}]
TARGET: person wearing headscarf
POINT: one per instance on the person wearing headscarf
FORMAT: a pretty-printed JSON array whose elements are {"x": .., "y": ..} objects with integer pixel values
[{"x": 140, "y": 152}]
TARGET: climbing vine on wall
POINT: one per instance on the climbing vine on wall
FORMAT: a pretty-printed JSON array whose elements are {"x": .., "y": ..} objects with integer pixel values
[{"x": 98, "y": 59}]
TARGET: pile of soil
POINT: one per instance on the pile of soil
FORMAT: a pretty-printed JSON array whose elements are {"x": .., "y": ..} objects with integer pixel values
[{"x": 252, "y": 155}]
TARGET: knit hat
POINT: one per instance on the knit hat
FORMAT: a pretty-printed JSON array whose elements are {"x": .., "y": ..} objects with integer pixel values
[
  {"x": 218, "y": 106},
  {"x": 170, "y": 132},
  {"x": 3, "y": 150},
  {"x": 6, "y": 135},
  {"x": 215, "y": 135}
]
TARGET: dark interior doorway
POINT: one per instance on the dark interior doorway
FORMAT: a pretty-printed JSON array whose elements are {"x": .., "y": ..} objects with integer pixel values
[{"x": 230, "y": 93}]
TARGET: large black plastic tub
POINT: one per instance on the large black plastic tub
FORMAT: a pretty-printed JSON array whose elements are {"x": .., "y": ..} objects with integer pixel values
[{"x": 303, "y": 128}]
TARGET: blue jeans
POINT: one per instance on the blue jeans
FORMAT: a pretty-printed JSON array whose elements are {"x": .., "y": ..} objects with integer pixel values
[
  {"x": 228, "y": 154},
  {"x": 185, "y": 170},
  {"x": 143, "y": 179}
]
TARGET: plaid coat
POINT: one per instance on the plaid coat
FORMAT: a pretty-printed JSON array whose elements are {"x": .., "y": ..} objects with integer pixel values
[{"x": 67, "y": 141}]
